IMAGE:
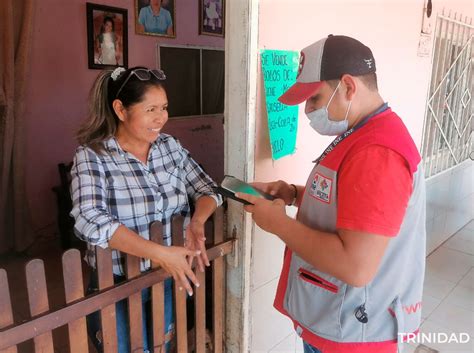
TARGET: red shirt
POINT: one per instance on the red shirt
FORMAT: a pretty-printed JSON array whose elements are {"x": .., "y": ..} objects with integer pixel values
[{"x": 374, "y": 186}]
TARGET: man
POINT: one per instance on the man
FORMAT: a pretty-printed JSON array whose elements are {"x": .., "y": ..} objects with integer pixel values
[{"x": 353, "y": 269}]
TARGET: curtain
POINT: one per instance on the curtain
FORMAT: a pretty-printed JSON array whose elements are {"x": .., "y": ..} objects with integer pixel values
[{"x": 16, "y": 24}]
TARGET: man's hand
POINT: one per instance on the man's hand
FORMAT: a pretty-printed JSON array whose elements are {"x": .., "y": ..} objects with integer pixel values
[
  {"x": 279, "y": 189},
  {"x": 267, "y": 214},
  {"x": 195, "y": 240}
]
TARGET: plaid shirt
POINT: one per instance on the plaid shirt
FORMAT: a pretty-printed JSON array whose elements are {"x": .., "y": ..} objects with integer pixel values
[{"x": 114, "y": 188}]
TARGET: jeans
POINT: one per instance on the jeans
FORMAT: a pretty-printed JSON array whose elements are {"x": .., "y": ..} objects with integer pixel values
[
  {"x": 121, "y": 314},
  {"x": 309, "y": 348}
]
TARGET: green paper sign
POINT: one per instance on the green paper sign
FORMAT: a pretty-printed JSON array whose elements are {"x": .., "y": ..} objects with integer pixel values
[{"x": 279, "y": 68}]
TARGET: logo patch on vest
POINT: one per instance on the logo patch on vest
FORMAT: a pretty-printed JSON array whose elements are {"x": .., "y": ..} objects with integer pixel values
[{"x": 321, "y": 188}]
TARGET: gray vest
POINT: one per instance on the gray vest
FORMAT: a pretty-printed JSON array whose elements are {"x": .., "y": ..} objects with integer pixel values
[{"x": 322, "y": 306}]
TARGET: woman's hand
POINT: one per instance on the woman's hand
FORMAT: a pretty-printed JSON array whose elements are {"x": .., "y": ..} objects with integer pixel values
[
  {"x": 195, "y": 240},
  {"x": 279, "y": 189},
  {"x": 174, "y": 260}
]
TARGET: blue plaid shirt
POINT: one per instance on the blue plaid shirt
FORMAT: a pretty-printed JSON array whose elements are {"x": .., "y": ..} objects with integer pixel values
[{"x": 114, "y": 188}]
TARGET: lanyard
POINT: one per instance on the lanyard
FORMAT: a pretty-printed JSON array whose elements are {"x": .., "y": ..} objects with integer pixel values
[{"x": 340, "y": 138}]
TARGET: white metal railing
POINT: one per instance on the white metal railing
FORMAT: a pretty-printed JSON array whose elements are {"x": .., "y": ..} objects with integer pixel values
[{"x": 448, "y": 128}]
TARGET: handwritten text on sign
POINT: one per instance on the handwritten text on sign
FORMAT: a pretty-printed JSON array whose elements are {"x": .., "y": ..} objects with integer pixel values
[{"x": 279, "y": 70}]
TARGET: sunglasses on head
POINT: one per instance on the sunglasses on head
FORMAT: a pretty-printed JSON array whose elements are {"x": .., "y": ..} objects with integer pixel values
[{"x": 142, "y": 75}]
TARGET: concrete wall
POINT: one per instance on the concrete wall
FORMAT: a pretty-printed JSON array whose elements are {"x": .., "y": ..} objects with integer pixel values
[
  {"x": 391, "y": 29},
  {"x": 60, "y": 81}
]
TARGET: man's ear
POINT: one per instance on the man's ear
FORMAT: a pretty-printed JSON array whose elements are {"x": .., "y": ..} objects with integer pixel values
[
  {"x": 119, "y": 109},
  {"x": 350, "y": 84}
]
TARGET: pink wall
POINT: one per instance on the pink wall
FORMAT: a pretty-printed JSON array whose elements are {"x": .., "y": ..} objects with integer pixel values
[
  {"x": 60, "y": 80},
  {"x": 389, "y": 28}
]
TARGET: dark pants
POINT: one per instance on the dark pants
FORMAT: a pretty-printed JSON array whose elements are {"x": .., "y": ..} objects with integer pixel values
[
  {"x": 121, "y": 314},
  {"x": 309, "y": 348}
]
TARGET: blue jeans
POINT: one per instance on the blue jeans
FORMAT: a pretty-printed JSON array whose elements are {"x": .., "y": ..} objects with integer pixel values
[
  {"x": 121, "y": 314},
  {"x": 309, "y": 348}
]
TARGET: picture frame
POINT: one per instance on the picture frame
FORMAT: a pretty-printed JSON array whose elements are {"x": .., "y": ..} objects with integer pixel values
[
  {"x": 212, "y": 17},
  {"x": 107, "y": 36},
  {"x": 155, "y": 18}
]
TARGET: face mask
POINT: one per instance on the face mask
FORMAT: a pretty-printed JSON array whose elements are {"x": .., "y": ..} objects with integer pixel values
[{"x": 321, "y": 122}]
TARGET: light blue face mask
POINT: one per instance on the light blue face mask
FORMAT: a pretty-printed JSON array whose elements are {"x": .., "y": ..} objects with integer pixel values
[{"x": 321, "y": 122}]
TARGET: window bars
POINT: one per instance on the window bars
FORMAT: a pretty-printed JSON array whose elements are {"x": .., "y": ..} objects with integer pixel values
[{"x": 448, "y": 126}]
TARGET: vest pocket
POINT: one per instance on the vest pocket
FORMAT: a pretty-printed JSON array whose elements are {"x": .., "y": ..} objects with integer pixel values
[
  {"x": 315, "y": 301},
  {"x": 317, "y": 281}
]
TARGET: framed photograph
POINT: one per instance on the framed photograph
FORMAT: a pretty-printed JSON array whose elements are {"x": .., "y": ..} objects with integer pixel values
[
  {"x": 211, "y": 17},
  {"x": 107, "y": 37},
  {"x": 155, "y": 17}
]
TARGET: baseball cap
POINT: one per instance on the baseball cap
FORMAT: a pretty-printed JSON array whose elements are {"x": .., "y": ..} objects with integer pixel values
[{"x": 328, "y": 59}]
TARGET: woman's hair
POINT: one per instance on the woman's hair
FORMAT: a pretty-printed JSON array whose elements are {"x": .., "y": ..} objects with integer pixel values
[
  {"x": 102, "y": 122},
  {"x": 107, "y": 19}
]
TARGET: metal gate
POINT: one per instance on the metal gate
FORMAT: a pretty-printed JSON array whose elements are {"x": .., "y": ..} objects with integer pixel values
[{"x": 448, "y": 127}]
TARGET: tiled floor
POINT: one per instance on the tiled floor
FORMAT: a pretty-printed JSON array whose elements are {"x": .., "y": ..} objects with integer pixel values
[{"x": 448, "y": 299}]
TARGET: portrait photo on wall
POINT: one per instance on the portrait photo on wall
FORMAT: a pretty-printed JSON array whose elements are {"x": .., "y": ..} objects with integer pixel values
[
  {"x": 107, "y": 38},
  {"x": 211, "y": 17},
  {"x": 155, "y": 17}
]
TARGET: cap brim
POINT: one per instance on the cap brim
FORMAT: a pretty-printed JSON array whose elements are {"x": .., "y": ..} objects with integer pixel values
[{"x": 299, "y": 92}]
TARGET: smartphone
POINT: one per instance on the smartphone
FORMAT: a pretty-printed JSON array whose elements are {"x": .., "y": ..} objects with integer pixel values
[{"x": 231, "y": 185}]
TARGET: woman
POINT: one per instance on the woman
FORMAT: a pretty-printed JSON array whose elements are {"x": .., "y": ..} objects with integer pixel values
[
  {"x": 154, "y": 18},
  {"x": 212, "y": 15},
  {"x": 126, "y": 175},
  {"x": 108, "y": 43}
]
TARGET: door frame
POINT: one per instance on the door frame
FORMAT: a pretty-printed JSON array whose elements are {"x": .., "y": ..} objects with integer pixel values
[{"x": 241, "y": 53}]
